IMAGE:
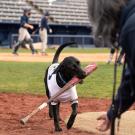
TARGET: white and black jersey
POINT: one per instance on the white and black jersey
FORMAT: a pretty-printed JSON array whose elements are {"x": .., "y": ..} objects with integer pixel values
[{"x": 69, "y": 95}]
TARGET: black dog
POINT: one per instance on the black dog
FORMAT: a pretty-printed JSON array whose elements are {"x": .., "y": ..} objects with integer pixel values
[{"x": 56, "y": 76}]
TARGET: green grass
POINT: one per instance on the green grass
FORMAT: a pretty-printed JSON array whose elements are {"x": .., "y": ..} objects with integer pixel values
[
  {"x": 66, "y": 50},
  {"x": 28, "y": 78},
  {"x": 100, "y": 83}
]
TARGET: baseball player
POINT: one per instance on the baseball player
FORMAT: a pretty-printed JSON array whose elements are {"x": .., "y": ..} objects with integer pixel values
[
  {"x": 112, "y": 51},
  {"x": 44, "y": 27},
  {"x": 121, "y": 55},
  {"x": 24, "y": 35}
]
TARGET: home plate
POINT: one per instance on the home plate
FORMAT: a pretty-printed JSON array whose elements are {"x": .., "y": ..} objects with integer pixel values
[{"x": 87, "y": 122}]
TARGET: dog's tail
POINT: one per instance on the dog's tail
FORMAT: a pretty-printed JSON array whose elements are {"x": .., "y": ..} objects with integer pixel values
[{"x": 59, "y": 50}]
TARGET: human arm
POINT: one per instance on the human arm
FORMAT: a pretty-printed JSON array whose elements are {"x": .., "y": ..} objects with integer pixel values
[
  {"x": 126, "y": 92},
  {"x": 28, "y": 26},
  {"x": 122, "y": 103}
]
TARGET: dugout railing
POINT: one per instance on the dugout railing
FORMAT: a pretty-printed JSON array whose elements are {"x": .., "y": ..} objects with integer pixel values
[{"x": 83, "y": 41}]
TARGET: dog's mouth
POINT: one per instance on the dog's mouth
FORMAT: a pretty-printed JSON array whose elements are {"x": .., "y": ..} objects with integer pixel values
[
  {"x": 81, "y": 75},
  {"x": 78, "y": 72}
]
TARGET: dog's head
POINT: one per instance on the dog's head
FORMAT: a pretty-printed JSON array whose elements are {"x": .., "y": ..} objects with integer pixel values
[{"x": 71, "y": 67}]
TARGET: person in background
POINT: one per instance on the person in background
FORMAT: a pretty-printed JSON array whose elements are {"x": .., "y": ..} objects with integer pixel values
[
  {"x": 44, "y": 28},
  {"x": 112, "y": 52},
  {"x": 110, "y": 18},
  {"x": 24, "y": 35}
]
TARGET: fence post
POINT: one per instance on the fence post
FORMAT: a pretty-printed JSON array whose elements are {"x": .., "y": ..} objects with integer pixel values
[{"x": 83, "y": 41}]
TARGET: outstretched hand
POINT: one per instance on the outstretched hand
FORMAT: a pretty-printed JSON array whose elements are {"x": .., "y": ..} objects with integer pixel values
[{"x": 104, "y": 123}]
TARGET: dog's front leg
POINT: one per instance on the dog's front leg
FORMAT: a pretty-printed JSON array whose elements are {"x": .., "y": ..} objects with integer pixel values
[
  {"x": 56, "y": 118},
  {"x": 50, "y": 111},
  {"x": 72, "y": 116},
  {"x": 59, "y": 112}
]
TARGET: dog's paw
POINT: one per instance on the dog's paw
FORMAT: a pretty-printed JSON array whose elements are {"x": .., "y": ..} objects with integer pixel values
[
  {"x": 71, "y": 121},
  {"x": 60, "y": 119},
  {"x": 69, "y": 125},
  {"x": 50, "y": 115},
  {"x": 58, "y": 129}
]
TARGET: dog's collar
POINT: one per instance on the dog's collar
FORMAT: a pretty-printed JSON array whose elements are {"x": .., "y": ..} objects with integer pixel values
[
  {"x": 59, "y": 74},
  {"x": 60, "y": 80}
]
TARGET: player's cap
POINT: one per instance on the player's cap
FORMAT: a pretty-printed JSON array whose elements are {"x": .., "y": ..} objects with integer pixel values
[
  {"x": 26, "y": 10},
  {"x": 47, "y": 13}
]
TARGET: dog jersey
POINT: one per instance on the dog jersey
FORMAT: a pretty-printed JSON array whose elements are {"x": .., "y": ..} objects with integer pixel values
[{"x": 69, "y": 95}]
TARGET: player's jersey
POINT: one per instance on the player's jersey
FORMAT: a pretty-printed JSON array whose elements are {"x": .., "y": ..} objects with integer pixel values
[
  {"x": 69, "y": 95},
  {"x": 44, "y": 23},
  {"x": 23, "y": 21}
]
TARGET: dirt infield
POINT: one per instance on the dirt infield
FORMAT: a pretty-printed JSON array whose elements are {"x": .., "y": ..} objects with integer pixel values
[
  {"x": 13, "y": 107},
  {"x": 27, "y": 57}
]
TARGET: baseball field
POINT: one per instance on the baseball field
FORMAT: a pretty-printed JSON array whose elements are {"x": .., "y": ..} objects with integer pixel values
[{"x": 22, "y": 90}]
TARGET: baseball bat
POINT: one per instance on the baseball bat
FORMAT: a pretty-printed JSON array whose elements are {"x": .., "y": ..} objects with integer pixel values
[{"x": 75, "y": 80}]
